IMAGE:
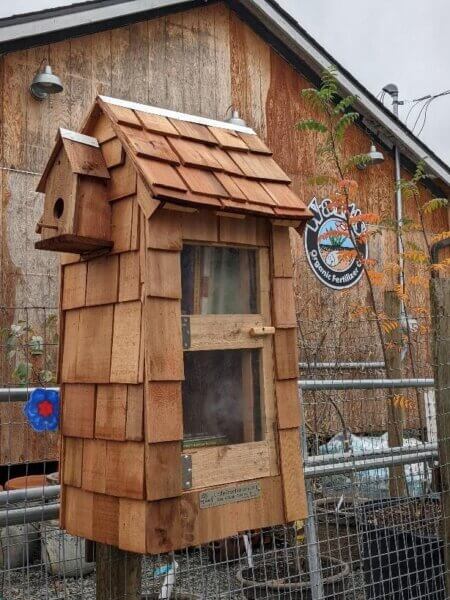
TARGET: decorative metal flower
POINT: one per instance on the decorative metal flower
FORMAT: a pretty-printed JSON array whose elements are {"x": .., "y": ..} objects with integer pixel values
[{"x": 42, "y": 409}]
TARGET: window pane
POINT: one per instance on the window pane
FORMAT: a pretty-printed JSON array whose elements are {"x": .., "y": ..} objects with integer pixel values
[
  {"x": 218, "y": 280},
  {"x": 221, "y": 397}
]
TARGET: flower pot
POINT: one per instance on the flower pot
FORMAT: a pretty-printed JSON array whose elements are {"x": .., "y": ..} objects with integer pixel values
[
  {"x": 326, "y": 510},
  {"x": 233, "y": 547},
  {"x": 401, "y": 552},
  {"x": 26, "y": 481},
  {"x": 286, "y": 576}
]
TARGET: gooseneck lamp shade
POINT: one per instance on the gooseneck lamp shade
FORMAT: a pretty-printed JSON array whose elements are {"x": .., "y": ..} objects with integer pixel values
[
  {"x": 375, "y": 155},
  {"x": 44, "y": 83},
  {"x": 235, "y": 119}
]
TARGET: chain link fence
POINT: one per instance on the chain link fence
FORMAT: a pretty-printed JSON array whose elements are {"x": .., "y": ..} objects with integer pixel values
[{"x": 377, "y": 524}]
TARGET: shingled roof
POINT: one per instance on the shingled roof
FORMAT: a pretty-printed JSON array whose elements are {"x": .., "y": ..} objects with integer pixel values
[{"x": 202, "y": 163}]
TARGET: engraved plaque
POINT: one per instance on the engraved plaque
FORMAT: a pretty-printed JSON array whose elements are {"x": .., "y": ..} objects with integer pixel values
[{"x": 227, "y": 495}]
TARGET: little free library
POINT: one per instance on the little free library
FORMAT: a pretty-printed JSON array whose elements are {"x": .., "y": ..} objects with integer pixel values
[{"x": 178, "y": 355}]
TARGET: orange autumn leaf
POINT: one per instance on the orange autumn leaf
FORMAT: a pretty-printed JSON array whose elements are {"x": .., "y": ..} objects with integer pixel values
[
  {"x": 416, "y": 256},
  {"x": 400, "y": 292},
  {"x": 437, "y": 237},
  {"x": 392, "y": 267},
  {"x": 376, "y": 278},
  {"x": 389, "y": 325},
  {"x": 360, "y": 310},
  {"x": 369, "y": 218},
  {"x": 350, "y": 188},
  {"x": 337, "y": 202},
  {"x": 368, "y": 262},
  {"x": 419, "y": 280},
  {"x": 363, "y": 237},
  {"x": 401, "y": 401},
  {"x": 441, "y": 267}
]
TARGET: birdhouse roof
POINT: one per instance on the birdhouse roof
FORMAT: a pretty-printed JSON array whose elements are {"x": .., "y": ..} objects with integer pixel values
[
  {"x": 83, "y": 152},
  {"x": 188, "y": 160},
  {"x": 203, "y": 163}
]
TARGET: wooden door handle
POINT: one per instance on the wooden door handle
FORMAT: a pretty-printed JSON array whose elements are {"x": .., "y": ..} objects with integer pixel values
[{"x": 261, "y": 331}]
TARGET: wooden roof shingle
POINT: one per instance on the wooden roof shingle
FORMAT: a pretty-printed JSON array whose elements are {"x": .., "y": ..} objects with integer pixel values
[{"x": 195, "y": 161}]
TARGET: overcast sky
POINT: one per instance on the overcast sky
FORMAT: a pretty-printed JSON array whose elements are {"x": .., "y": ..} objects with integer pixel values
[{"x": 400, "y": 41}]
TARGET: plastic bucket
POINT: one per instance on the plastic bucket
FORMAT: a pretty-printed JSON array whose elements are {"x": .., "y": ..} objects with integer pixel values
[
  {"x": 400, "y": 562},
  {"x": 286, "y": 576}
]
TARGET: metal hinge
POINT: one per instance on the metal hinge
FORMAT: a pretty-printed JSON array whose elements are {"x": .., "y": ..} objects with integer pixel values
[
  {"x": 186, "y": 471},
  {"x": 186, "y": 332}
]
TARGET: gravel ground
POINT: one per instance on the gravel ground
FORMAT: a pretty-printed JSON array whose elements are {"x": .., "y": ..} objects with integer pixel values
[{"x": 196, "y": 575}]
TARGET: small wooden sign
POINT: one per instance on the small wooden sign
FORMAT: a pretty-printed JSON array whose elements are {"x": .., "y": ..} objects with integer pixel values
[{"x": 227, "y": 495}]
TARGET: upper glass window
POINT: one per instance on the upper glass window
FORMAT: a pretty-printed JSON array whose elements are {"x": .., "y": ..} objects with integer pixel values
[{"x": 218, "y": 280}]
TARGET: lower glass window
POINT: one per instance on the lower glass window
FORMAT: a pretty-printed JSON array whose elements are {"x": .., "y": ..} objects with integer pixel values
[{"x": 221, "y": 397}]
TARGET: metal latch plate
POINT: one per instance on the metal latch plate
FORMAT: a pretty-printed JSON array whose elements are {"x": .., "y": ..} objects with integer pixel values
[
  {"x": 186, "y": 332},
  {"x": 186, "y": 474}
]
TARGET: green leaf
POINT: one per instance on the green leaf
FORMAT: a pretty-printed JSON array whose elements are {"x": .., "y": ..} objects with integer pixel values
[
  {"x": 23, "y": 372},
  {"x": 11, "y": 355},
  {"x": 345, "y": 103},
  {"x": 434, "y": 204},
  {"x": 419, "y": 173},
  {"x": 311, "y": 125},
  {"x": 358, "y": 160},
  {"x": 344, "y": 122},
  {"x": 11, "y": 343},
  {"x": 314, "y": 98},
  {"x": 46, "y": 376},
  {"x": 413, "y": 246},
  {"x": 321, "y": 180},
  {"x": 36, "y": 345}
]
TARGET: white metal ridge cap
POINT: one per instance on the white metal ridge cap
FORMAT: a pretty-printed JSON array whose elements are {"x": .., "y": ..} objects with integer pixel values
[
  {"x": 79, "y": 137},
  {"x": 171, "y": 114}
]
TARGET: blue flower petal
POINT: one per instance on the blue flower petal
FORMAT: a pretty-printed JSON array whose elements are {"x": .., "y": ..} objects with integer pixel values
[{"x": 31, "y": 410}]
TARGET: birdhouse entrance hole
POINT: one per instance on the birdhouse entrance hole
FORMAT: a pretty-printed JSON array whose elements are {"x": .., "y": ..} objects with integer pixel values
[{"x": 58, "y": 208}]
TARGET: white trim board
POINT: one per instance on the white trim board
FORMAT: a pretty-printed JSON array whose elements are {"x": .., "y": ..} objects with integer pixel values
[{"x": 171, "y": 114}]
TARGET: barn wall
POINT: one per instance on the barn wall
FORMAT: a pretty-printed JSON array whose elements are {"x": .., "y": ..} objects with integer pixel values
[{"x": 200, "y": 61}]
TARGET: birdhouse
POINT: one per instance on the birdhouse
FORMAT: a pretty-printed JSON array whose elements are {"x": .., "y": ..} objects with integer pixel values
[
  {"x": 77, "y": 215},
  {"x": 178, "y": 364}
]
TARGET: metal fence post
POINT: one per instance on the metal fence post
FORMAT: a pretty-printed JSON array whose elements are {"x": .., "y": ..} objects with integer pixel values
[
  {"x": 440, "y": 315},
  {"x": 312, "y": 543}
]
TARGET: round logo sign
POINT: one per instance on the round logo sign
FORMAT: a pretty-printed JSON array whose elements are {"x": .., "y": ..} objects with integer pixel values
[{"x": 328, "y": 245}]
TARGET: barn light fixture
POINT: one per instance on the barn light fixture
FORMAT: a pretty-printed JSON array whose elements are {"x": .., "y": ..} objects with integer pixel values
[
  {"x": 235, "y": 119},
  {"x": 374, "y": 157},
  {"x": 44, "y": 83}
]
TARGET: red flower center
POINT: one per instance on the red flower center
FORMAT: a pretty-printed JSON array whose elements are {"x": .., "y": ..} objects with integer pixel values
[{"x": 45, "y": 408}]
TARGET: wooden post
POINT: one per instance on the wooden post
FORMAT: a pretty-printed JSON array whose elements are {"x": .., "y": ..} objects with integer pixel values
[
  {"x": 118, "y": 573},
  {"x": 440, "y": 319},
  {"x": 396, "y": 416}
]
